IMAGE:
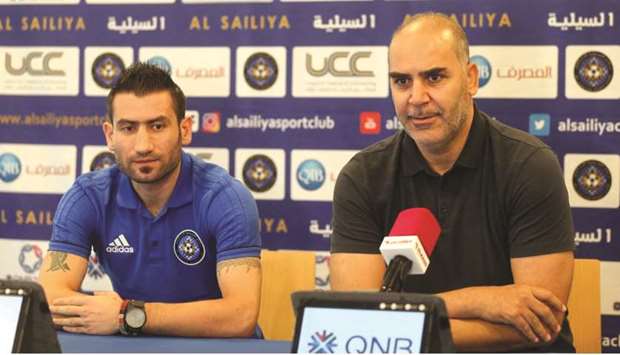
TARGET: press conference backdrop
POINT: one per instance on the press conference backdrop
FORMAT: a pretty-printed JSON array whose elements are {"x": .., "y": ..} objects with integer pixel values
[{"x": 284, "y": 92}]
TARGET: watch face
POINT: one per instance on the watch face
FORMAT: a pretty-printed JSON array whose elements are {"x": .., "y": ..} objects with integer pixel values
[{"x": 135, "y": 317}]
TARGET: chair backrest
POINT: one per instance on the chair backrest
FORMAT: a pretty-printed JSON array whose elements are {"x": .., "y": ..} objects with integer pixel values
[
  {"x": 284, "y": 271},
  {"x": 584, "y": 306}
]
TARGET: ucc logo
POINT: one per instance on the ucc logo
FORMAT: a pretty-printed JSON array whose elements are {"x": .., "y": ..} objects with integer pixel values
[
  {"x": 35, "y": 64},
  {"x": 330, "y": 65}
]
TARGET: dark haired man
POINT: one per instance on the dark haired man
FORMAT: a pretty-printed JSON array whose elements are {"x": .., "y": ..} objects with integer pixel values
[
  {"x": 178, "y": 236},
  {"x": 504, "y": 262}
]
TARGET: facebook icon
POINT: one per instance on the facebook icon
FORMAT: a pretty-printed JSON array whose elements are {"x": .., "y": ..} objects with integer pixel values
[{"x": 540, "y": 124}]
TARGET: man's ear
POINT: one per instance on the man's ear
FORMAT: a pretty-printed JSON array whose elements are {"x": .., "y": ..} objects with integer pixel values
[
  {"x": 472, "y": 79},
  {"x": 186, "y": 130},
  {"x": 108, "y": 132}
]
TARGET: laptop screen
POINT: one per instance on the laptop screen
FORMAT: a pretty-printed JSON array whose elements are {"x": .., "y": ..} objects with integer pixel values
[
  {"x": 10, "y": 327},
  {"x": 354, "y": 330}
]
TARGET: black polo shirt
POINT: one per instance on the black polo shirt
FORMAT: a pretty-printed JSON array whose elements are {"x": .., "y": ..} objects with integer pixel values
[{"x": 504, "y": 198}]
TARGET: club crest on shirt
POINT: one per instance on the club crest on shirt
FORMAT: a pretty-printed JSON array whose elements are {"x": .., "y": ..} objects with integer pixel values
[{"x": 189, "y": 248}]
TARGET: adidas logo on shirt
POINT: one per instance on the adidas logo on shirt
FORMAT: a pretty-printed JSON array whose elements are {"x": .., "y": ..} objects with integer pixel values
[{"x": 119, "y": 245}]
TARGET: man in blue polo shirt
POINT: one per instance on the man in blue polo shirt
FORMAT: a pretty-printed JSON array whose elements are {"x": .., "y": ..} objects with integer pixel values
[{"x": 178, "y": 236}]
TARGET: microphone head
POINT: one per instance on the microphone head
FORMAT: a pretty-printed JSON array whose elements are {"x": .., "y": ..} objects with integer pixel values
[{"x": 418, "y": 221}]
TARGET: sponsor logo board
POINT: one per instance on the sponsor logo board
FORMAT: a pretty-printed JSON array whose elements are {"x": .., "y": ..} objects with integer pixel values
[
  {"x": 37, "y": 168},
  {"x": 592, "y": 180},
  {"x": 314, "y": 173},
  {"x": 262, "y": 171},
  {"x": 199, "y": 71},
  {"x": 340, "y": 71},
  {"x": 516, "y": 71},
  {"x": 44, "y": 71},
  {"x": 103, "y": 67},
  {"x": 261, "y": 72},
  {"x": 590, "y": 74}
]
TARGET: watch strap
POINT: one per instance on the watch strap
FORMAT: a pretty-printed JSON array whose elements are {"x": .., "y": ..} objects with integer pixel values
[{"x": 121, "y": 317}]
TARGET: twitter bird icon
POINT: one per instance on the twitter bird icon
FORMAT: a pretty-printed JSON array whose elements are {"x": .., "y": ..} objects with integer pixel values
[{"x": 540, "y": 124}]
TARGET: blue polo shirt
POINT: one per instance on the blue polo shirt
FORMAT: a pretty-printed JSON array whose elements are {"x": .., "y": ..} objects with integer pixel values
[{"x": 171, "y": 257}]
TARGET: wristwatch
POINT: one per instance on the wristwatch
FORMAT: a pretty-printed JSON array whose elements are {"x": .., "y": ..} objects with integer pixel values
[{"x": 132, "y": 317}]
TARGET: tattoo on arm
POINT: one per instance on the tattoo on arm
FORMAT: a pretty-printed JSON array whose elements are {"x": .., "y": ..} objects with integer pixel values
[
  {"x": 59, "y": 261},
  {"x": 247, "y": 263}
]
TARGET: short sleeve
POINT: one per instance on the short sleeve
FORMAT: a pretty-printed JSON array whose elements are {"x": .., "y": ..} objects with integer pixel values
[
  {"x": 355, "y": 230},
  {"x": 232, "y": 217},
  {"x": 540, "y": 221},
  {"x": 74, "y": 223}
]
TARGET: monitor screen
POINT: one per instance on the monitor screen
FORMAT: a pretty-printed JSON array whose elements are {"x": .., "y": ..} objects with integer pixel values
[
  {"x": 10, "y": 332},
  {"x": 349, "y": 330}
]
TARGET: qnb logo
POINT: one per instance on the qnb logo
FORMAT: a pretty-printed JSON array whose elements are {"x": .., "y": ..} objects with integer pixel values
[
  {"x": 363, "y": 345},
  {"x": 484, "y": 69},
  {"x": 35, "y": 64},
  {"x": 322, "y": 342},
  {"x": 311, "y": 174},
  {"x": 10, "y": 167},
  {"x": 331, "y": 65}
]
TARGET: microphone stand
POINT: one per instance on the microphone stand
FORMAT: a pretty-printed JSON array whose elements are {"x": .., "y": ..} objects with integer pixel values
[{"x": 395, "y": 274}]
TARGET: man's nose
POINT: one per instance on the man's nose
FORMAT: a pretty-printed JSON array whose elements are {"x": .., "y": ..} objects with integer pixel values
[
  {"x": 418, "y": 93},
  {"x": 144, "y": 143}
]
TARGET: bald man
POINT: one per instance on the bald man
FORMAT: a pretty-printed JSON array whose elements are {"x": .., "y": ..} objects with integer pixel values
[{"x": 504, "y": 260}]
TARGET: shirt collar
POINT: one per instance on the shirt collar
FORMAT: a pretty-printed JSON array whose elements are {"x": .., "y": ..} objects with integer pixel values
[
  {"x": 182, "y": 193},
  {"x": 412, "y": 161}
]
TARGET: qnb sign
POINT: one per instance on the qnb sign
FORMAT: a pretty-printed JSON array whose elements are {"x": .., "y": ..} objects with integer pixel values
[
  {"x": 384, "y": 345},
  {"x": 339, "y": 64},
  {"x": 34, "y": 63}
]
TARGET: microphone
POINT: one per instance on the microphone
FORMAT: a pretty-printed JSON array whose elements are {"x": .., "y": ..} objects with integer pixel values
[{"x": 407, "y": 249}]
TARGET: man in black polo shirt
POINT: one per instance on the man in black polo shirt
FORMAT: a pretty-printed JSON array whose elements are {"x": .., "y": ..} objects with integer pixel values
[{"x": 504, "y": 261}]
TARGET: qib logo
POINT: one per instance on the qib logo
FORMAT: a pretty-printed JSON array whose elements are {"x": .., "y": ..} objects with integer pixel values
[
  {"x": 10, "y": 167},
  {"x": 330, "y": 65},
  {"x": 484, "y": 69},
  {"x": 162, "y": 63},
  {"x": 34, "y": 65},
  {"x": 311, "y": 174},
  {"x": 322, "y": 342}
]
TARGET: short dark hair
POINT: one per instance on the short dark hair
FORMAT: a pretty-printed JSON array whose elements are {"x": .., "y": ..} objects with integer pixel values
[{"x": 142, "y": 79}]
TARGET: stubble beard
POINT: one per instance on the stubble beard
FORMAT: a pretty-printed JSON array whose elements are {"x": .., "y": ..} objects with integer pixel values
[
  {"x": 453, "y": 124},
  {"x": 166, "y": 172}
]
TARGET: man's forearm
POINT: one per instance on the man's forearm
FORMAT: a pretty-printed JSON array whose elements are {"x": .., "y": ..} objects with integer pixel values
[
  {"x": 476, "y": 335},
  {"x": 208, "y": 318},
  {"x": 61, "y": 275},
  {"x": 479, "y": 325}
]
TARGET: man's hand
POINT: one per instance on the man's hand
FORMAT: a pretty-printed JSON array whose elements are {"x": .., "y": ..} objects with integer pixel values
[
  {"x": 527, "y": 308},
  {"x": 87, "y": 314}
]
